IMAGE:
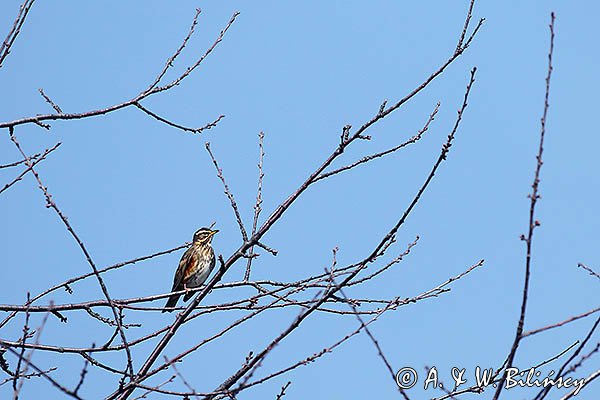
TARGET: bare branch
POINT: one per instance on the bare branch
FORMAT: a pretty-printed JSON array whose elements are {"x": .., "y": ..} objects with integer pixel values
[
  {"x": 588, "y": 269},
  {"x": 152, "y": 89},
  {"x": 282, "y": 391},
  {"x": 20, "y": 359},
  {"x": 368, "y": 158},
  {"x": 377, "y": 346},
  {"x": 180, "y": 376},
  {"x": 229, "y": 194},
  {"x": 544, "y": 391},
  {"x": 82, "y": 375},
  {"x": 29, "y": 168},
  {"x": 14, "y": 164},
  {"x": 258, "y": 203},
  {"x": 583, "y": 359},
  {"x": 533, "y": 223},
  {"x": 15, "y": 30},
  {"x": 49, "y": 101},
  {"x": 46, "y": 376},
  {"x": 586, "y": 382},
  {"x": 558, "y": 324},
  {"x": 178, "y": 126},
  {"x": 190, "y": 69},
  {"x": 171, "y": 59}
]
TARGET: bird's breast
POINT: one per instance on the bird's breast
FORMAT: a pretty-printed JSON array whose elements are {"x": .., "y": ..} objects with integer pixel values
[{"x": 203, "y": 265}]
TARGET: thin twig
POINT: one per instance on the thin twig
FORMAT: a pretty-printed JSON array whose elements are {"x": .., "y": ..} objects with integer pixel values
[
  {"x": 151, "y": 90},
  {"x": 171, "y": 59},
  {"x": 558, "y": 324},
  {"x": 586, "y": 382},
  {"x": 229, "y": 194},
  {"x": 185, "y": 382},
  {"x": 20, "y": 360},
  {"x": 15, "y": 30},
  {"x": 377, "y": 346},
  {"x": 33, "y": 163},
  {"x": 533, "y": 223},
  {"x": 544, "y": 391},
  {"x": 258, "y": 203},
  {"x": 14, "y": 164},
  {"x": 46, "y": 376},
  {"x": 49, "y": 101},
  {"x": 588, "y": 269},
  {"x": 282, "y": 391},
  {"x": 370, "y": 157},
  {"x": 82, "y": 375},
  {"x": 583, "y": 359},
  {"x": 179, "y": 126}
]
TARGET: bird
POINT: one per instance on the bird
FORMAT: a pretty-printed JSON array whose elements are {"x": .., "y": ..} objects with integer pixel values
[{"x": 195, "y": 266}]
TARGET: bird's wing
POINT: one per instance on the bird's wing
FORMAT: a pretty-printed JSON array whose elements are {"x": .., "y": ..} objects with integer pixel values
[
  {"x": 180, "y": 274},
  {"x": 212, "y": 262},
  {"x": 191, "y": 266}
]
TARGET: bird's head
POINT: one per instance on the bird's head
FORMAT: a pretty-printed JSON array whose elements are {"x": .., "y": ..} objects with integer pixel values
[{"x": 204, "y": 235}]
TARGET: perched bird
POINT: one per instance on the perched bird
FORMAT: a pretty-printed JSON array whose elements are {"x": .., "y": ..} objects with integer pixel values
[{"x": 194, "y": 267}]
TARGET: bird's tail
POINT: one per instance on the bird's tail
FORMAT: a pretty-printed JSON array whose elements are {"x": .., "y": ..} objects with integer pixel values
[
  {"x": 172, "y": 302},
  {"x": 188, "y": 295}
]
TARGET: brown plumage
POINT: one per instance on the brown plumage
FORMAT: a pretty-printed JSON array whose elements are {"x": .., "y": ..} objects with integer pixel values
[{"x": 194, "y": 267}]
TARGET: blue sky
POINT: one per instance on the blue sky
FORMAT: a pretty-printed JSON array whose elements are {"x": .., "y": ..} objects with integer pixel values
[{"x": 299, "y": 72}]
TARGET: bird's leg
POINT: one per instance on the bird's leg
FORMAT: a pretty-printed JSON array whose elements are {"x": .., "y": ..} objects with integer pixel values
[{"x": 187, "y": 290}]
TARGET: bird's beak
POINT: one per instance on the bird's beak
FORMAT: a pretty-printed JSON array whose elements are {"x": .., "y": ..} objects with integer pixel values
[{"x": 213, "y": 232}]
